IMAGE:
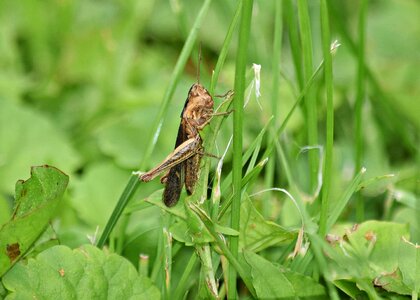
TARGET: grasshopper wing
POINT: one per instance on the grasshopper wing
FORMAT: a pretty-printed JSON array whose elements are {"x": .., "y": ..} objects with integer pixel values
[{"x": 175, "y": 178}]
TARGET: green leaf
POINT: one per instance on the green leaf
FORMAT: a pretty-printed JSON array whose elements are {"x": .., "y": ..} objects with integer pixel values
[
  {"x": 409, "y": 264},
  {"x": 36, "y": 201},
  {"x": 385, "y": 237},
  {"x": 272, "y": 282},
  {"x": 28, "y": 138},
  {"x": 392, "y": 282},
  {"x": 256, "y": 233},
  {"x": 182, "y": 233},
  {"x": 349, "y": 288},
  {"x": 84, "y": 273},
  {"x": 368, "y": 251},
  {"x": 225, "y": 230}
]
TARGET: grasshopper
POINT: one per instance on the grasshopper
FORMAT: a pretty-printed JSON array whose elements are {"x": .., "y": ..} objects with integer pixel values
[{"x": 184, "y": 162}]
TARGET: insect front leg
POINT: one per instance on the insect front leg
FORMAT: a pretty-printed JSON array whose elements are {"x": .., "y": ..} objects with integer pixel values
[
  {"x": 228, "y": 95},
  {"x": 195, "y": 126},
  {"x": 223, "y": 113},
  {"x": 202, "y": 153}
]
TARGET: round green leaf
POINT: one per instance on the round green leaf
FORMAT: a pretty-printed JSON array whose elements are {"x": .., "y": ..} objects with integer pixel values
[{"x": 84, "y": 273}]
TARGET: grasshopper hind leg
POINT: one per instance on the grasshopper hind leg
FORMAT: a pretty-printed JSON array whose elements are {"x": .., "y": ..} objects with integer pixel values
[
  {"x": 192, "y": 172},
  {"x": 173, "y": 186}
]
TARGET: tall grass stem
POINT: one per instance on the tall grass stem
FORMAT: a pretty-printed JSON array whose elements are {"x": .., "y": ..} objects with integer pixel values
[
  {"x": 239, "y": 87},
  {"x": 328, "y": 77},
  {"x": 358, "y": 108}
]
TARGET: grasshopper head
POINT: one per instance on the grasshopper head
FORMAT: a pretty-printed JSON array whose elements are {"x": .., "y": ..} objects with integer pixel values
[
  {"x": 199, "y": 96},
  {"x": 199, "y": 107}
]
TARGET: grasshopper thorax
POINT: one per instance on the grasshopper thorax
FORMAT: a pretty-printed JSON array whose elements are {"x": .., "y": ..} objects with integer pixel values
[{"x": 199, "y": 108}]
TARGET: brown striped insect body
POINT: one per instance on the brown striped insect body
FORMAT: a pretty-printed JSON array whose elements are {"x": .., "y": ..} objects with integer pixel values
[{"x": 184, "y": 162}]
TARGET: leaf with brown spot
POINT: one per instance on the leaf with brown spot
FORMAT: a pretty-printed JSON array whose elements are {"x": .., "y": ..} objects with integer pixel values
[
  {"x": 35, "y": 204},
  {"x": 13, "y": 251}
]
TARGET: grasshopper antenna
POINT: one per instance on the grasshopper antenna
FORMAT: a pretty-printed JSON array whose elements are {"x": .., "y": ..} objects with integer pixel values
[{"x": 199, "y": 63}]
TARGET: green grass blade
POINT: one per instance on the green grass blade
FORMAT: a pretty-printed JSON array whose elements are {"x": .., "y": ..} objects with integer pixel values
[
  {"x": 181, "y": 288},
  {"x": 308, "y": 225},
  {"x": 328, "y": 76},
  {"x": 233, "y": 260},
  {"x": 239, "y": 87},
  {"x": 225, "y": 48},
  {"x": 293, "y": 34},
  {"x": 277, "y": 43},
  {"x": 249, "y": 177},
  {"x": 344, "y": 199},
  {"x": 167, "y": 257},
  {"x": 358, "y": 107},
  {"x": 227, "y": 182},
  {"x": 310, "y": 100},
  {"x": 128, "y": 192},
  {"x": 203, "y": 251},
  {"x": 302, "y": 94}
]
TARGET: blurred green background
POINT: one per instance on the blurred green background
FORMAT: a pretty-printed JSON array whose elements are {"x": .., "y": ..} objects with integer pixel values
[{"x": 81, "y": 83}]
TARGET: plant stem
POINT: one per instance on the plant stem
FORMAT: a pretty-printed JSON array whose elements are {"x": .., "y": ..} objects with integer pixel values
[
  {"x": 239, "y": 87},
  {"x": 167, "y": 266},
  {"x": 293, "y": 34},
  {"x": 116, "y": 213},
  {"x": 310, "y": 100},
  {"x": 270, "y": 168},
  {"x": 360, "y": 209},
  {"x": 186, "y": 276},
  {"x": 225, "y": 48},
  {"x": 328, "y": 73}
]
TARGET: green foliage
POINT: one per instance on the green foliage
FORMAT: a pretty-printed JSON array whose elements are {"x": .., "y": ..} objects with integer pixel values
[
  {"x": 84, "y": 273},
  {"x": 272, "y": 282},
  {"x": 319, "y": 194},
  {"x": 409, "y": 265},
  {"x": 36, "y": 202},
  {"x": 377, "y": 252}
]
